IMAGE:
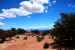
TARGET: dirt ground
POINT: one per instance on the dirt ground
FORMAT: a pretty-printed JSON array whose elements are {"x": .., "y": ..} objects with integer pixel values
[{"x": 26, "y": 44}]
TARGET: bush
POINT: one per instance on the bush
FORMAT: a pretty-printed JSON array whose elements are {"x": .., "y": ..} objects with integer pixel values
[{"x": 46, "y": 45}]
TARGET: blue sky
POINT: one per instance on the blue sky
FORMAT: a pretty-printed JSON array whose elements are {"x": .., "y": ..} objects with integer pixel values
[{"x": 29, "y": 14}]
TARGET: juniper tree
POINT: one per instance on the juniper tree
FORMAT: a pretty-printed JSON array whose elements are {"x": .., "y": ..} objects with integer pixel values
[{"x": 64, "y": 31}]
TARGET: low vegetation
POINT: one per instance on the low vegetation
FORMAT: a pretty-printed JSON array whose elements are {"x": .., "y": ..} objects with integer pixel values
[
  {"x": 46, "y": 45},
  {"x": 13, "y": 32},
  {"x": 10, "y": 33}
]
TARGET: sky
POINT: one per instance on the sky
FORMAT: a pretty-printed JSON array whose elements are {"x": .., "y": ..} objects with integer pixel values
[{"x": 33, "y": 14}]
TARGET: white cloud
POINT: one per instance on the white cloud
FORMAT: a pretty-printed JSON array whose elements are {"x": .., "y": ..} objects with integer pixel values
[
  {"x": 7, "y": 14},
  {"x": 32, "y": 7},
  {"x": 2, "y": 24},
  {"x": 1, "y": 18},
  {"x": 54, "y": 1},
  {"x": 37, "y": 27},
  {"x": 13, "y": 12},
  {"x": 26, "y": 8},
  {"x": 40, "y": 1},
  {"x": 42, "y": 26}
]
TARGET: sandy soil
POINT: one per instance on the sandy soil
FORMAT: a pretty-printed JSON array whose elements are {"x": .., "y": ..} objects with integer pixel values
[{"x": 21, "y": 44}]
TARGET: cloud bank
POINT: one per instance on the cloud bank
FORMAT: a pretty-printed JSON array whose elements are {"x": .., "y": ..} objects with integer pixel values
[
  {"x": 26, "y": 8},
  {"x": 41, "y": 26},
  {"x": 2, "y": 24}
]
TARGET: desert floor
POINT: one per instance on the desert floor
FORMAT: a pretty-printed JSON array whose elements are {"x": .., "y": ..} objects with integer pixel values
[{"x": 22, "y": 44}]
